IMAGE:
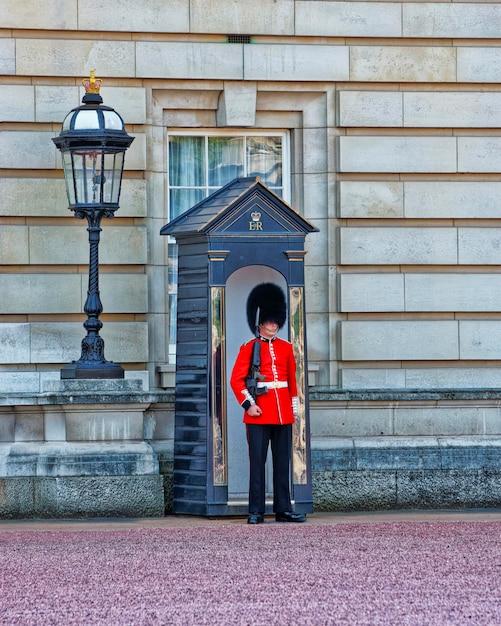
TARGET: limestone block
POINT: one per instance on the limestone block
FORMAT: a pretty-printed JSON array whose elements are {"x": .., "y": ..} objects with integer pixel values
[
  {"x": 316, "y": 245},
  {"x": 315, "y": 191},
  {"x": 13, "y": 245},
  {"x": 397, "y": 154},
  {"x": 479, "y": 246},
  {"x": 53, "y": 342},
  {"x": 17, "y": 103},
  {"x": 453, "y": 378},
  {"x": 68, "y": 244},
  {"x": 129, "y": 15},
  {"x": 372, "y": 292},
  {"x": 104, "y": 423},
  {"x": 318, "y": 336},
  {"x": 14, "y": 343},
  {"x": 15, "y": 382},
  {"x": 455, "y": 109},
  {"x": 427, "y": 19},
  {"x": 178, "y": 59},
  {"x": 120, "y": 293},
  {"x": 399, "y": 340},
  {"x": 372, "y": 378},
  {"x": 52, "y": 104},
  {"x": 135, "y": 157},
  {"x": 460, "y": 199},
  {"x": 49, "y": 14},
  {"x": 389, "y": 246},
  {"x": 479, "y": 154},
  {"x": 370, "y": 108},
  {"x": 159, "y": 423},
  {"x": 403, "y": 63},
  {"x": 54, "y": 423},
  {"x": 129, "y": 102},
  {"x": 29, "y": 425},
  {"x": 359, "y": 198},
  {"x": 453, "y": 292},
  {"x": 348, "y": 19},
  {"x": 316, "y": 278},
  {"x": 7, "y": 425},
  {"x": 40, "y": 293},
  {"x": 315, "y": 150},
  {"x": 75, "y": 57},
  {"x": 133, "y": 198},
  {"x": 237, "y": 104},
  {"x": 7, "y": 56},
  {"x": 440, "y": 420},
  {"x": 47, "y": 197},
  {"x": 479, "y": 65},
  {"x": 257, "y": 18},
  {"x": 350, "y": 422},
  {"x": 33, "y": 196},
  {"x": 27, "y": 149},
  {"x": 480, "y": 339},
  {"x": 295, "y": 62}
]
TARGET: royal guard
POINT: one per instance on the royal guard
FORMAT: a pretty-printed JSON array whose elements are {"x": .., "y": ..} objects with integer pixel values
[{"x": 264, "y": 382}]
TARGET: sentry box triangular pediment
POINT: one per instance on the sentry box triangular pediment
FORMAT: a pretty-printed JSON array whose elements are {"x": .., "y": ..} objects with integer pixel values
[{"x": 243, "y": 206}]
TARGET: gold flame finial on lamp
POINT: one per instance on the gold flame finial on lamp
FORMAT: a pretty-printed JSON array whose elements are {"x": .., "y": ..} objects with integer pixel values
[{"x": 92, "y": 84}]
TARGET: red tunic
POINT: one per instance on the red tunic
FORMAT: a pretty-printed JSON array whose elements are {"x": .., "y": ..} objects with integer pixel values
[{"x": 278, "y": 367}]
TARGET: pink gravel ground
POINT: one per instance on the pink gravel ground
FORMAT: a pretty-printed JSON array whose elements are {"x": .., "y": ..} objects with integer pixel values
[{"x": 230, "y": 573}]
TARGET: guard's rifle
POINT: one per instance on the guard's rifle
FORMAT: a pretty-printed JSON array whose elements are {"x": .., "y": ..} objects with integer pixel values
[{"x": 254, "y": 375}]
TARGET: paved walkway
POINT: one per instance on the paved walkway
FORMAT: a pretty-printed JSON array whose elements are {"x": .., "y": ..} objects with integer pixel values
[{"x": 369, "y": 569}]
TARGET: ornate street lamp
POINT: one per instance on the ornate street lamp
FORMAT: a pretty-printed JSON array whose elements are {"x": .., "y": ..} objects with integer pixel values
[{"x": 93, "y": 142}]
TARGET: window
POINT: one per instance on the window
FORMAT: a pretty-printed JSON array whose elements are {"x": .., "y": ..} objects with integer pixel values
[{"x": 199, "y": 164}]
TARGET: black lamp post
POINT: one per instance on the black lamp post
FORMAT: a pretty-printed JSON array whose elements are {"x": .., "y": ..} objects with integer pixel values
[{"x": 93, "y": 142}]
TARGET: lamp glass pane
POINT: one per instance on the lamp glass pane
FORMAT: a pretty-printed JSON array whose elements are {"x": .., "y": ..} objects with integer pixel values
[
  {"x": 68, "y": 177},
  {"x": 112, "y": 120},
  {"x": 113, "y": 163},
  {"x": 86, "y": 120},
  {"x": 67, "y": 121},
  {"x": 87, "y": 173}
]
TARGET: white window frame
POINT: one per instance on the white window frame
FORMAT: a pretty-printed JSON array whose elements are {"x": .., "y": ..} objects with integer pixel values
[
  {"x": 226, "y": 132},
  {"x": 236, "y": 132}
]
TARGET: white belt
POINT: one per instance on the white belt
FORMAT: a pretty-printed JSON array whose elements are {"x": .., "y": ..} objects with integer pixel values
[{"x": 273, "y": 384}]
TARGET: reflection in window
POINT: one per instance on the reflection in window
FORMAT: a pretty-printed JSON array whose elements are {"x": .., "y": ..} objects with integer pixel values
[{"x": 201, "y": 164}]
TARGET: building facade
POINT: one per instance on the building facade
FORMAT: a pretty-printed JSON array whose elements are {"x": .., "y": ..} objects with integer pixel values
[{"x": 378, "y": 121}]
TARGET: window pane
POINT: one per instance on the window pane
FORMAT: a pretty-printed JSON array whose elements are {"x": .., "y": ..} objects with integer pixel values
[
  {"x": 226, "y": 159},
  {"x": 187, "y": 161},
  {"x": 183, "y": 199},
  {"x": 264, "y": 158}
]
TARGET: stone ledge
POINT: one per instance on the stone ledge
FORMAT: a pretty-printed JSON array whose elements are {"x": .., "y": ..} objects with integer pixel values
[
  {"x": 89, "y": 397},
  {"x": 410, "y": 453},
  {"x": 317, "y": 394},
  {"x": 77, "y": 459}
]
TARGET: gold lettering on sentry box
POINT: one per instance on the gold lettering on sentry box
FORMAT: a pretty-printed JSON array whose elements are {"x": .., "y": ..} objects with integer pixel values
[{"x": 255, "y": 223}]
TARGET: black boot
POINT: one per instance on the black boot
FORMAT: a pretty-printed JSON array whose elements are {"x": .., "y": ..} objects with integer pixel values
[
  {"x": 290, "y": 516},
  {"x": 255, "y": 518}
]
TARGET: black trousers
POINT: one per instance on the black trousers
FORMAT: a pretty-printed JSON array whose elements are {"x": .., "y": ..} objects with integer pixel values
[{"x": 258, "y": 437}]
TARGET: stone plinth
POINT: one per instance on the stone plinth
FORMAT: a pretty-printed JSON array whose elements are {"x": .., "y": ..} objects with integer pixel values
[{"x": 83, "y": 448}]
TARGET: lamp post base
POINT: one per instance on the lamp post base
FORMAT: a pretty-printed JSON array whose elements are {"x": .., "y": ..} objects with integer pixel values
[{"x": 103, "y": 369}]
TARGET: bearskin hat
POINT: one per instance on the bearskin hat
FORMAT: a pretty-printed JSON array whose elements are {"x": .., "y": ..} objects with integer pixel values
[{"x": 270, "y": 300}]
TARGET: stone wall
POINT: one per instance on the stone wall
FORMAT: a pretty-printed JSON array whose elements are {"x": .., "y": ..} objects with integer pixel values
[{"x": 393, "y": 110}]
